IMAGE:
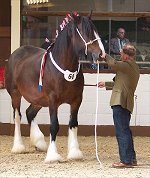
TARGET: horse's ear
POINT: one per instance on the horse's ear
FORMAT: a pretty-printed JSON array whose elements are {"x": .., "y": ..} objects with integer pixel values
[
  {"x": 76, "y": 17},
  {"x": 90, "y": 14}
]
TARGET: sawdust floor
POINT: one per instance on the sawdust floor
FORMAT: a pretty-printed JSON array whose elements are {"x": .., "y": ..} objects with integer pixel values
[{"x": 31, "y": 163}]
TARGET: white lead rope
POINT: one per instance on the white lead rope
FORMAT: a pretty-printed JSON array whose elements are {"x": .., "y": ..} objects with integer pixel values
[
  {"x": 97, "y": 100},
  {"x": 135, "y": 115}
]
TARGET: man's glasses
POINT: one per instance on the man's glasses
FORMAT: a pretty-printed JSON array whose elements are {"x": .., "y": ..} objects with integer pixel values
[{"x": 122, "y": 32}]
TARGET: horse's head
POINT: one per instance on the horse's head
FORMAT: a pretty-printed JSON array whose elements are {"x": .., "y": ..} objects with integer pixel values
[
  {"x": 87, "y": 37},
  {"x": 78, "y": 33}
]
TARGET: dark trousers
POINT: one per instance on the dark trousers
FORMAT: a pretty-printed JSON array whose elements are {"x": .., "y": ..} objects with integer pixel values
[{"x": 121, "y": 117}]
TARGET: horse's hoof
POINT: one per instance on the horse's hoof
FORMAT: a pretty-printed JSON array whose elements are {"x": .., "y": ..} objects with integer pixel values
[
  {"x": 41, "y": 145},
  {"x": 18, "y": 149},
  {"x": 75, "y": 154},
  {"x": 53, "y": 158}
]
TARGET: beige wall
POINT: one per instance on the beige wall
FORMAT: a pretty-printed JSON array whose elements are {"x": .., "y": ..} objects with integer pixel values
[{"x": 140, "y": 116}]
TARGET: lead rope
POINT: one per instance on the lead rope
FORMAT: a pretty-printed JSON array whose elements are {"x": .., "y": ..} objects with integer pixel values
[
  {"x": 96, "y": 145},
  {"x": 135, "y": 115}
]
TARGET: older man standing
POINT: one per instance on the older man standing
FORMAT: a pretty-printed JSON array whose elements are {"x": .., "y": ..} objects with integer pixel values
[
  {"x": 117, "y": 43},
  {"x": 122, "y": 102}
]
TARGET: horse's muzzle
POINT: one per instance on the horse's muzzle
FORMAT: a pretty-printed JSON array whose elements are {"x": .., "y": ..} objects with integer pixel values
[{"x": 95, "y": 56}]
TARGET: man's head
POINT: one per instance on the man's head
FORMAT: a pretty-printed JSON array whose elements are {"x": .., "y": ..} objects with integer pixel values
[
  {"x": 128, "y": 52},
  {"x": 121, "y": 33}
]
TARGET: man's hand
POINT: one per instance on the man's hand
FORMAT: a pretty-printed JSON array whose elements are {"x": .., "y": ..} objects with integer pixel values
[
  {"x": 101, "y": 58},
  {"x": 101, "y": 84}
]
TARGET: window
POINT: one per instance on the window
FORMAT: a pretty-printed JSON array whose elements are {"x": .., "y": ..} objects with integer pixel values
[{"x": 40, "y": 21}]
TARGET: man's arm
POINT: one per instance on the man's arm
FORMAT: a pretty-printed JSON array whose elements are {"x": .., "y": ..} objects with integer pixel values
[{"x": 116, "y": 65}]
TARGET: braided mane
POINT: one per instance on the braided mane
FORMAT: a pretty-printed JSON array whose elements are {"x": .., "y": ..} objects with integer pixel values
[{"x": 64, "y": 23}]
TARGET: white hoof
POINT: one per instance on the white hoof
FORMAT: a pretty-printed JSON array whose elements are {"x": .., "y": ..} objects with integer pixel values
[
  {"x": 75, "y": 154},
  {"x": 53, "y": 158},
  {"x": 18, "y": 149},
  {"x": 41, "y": 145}
]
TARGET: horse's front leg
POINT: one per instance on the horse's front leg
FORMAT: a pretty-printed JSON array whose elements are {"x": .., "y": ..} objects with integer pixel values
[
  {"x": 52, "y": 154},
  {"x": 73, "y": 146}
]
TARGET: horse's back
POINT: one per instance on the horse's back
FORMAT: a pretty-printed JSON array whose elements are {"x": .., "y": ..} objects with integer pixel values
[
  {"x": 24, "y": 52},
  {"x": 21, "y": 62}
]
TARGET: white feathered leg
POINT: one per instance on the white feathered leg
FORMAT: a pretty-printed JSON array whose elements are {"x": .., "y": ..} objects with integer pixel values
[
  {"x": 52, "y": 154},
  {"x": 37, "y": 137},
  {"x": 73, "y": 146},
  {"x": 18, "y": 146}
]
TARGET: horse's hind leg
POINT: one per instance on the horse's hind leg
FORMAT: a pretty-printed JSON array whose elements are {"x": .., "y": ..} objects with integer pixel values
[
  {"x": 18, "y": 146},
  {"x": 36, "y": 136},
  {"x": 73, "y": 146}
]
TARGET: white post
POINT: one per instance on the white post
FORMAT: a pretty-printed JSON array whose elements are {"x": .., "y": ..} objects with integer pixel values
[
  {"x": 15, "y": 32},
  {"x": 15, "y": 24}
]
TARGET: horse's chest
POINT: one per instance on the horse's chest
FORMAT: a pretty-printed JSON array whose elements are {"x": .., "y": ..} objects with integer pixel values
[{"x": 69, "y": 90}]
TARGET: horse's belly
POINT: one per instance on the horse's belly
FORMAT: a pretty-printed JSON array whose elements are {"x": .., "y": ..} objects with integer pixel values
[
  {"x": 35, "y": 97},
  {"x": 43, "y": 102}
]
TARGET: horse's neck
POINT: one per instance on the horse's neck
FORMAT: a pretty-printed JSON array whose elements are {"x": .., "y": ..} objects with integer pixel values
[{"x": 65, "y": 57}]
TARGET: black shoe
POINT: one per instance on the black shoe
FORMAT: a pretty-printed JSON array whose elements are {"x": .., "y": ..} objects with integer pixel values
[{"x": 134, "y": 162}]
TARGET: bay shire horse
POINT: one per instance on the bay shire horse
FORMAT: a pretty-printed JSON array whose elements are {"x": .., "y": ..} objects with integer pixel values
[{"x": 60, "y": 79}]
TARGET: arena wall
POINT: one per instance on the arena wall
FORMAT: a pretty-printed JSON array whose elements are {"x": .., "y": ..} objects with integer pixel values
[{"x": 140, "y": 116}]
